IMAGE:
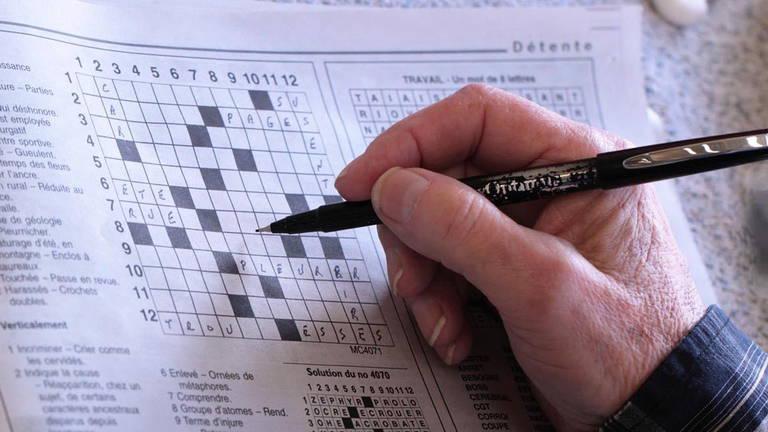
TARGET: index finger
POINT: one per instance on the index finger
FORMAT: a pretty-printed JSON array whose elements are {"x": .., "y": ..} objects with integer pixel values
[{"x": 479, "y": 128}]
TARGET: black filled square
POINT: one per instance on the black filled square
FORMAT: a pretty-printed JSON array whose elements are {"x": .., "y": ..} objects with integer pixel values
[
  {"x": 213, "y": 179},
  {"x": 347, "y": 423},
  {"x": 271, "y": 287},
  {"x": 241, "y": 306},
  {"x": 211, "y": 116},
  {"x": 178, "y": 237},
  {"x": 353, "y": 412},
  {"x": 209, "y": 220},
  {"x": 225, "y": 262},
  {"x": 367, "y": 402},
  {"x": 140, "y": 234},
  {"x": 181, "y": 197},
  {"x": 244, "y": 160},
  {"x": 297, "y": 203},
  {"x": 332, "y": 248},
  {"x": 288, "y": 330},
  {"x": 332, "y": 199},
  {"x": 199, "y": 136},
  {"x": 260, "y": 100},
  {"x": 128, "y": 150},
  {"x": 294, "y": 248},
  {"x": 378, "y": 430}
]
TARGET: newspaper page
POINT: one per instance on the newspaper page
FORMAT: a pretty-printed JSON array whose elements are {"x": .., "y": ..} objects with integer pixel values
[{"x": 141, "y": 147}]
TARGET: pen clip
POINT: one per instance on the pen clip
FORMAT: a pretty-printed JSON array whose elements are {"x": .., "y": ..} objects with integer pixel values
[{"x": 699, "y": 150}]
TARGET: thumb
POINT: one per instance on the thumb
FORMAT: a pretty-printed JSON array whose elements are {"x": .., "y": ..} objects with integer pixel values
[{"x": 446, "y": 221}]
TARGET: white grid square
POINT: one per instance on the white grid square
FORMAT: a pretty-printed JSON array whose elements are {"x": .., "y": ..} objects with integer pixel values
[
  {"x": 233, "y": 284},
  {"x": 205, "y": 157},
  {"x": 290, "y": 183},
  {"x": 191, "y": 115},
  {"x": 168, "y": 258},
  {"x": 268, "y": 329},
  {"x": 222, "y": 98},
  {"x": 163, "y": 300},
  {"x": 183, "y": 95},
  {"x": 220, "y": 200},
  {"x": 225, "y": 158},
  {"x": 241, "y": 99},
  {"x": 260, "y": 307},
  {"x": 214, "y": 283},
  {"x": 276, "y": 140},
  {"x": 152, "y": 112},
  {"x": 257, "y": 139},
  {"x": 238, "y": 138},
  {"x": 217, "y": 241},
  {"x": 228, "y": 221},
  {"x": 143, "y": 92},
  {"x": 160, "y": 133},
  {"x": 279, "y": 203},
  {"x": 193, "y": 177},
  {"x": 249, "y": 328},
  {"x": 155, "y": 277},
  {"x": 140, "y": 132},
  {"x": 201, "y": 199},
  {"x": 148, "y": 255},
  {"x": 279, "y": 308},
  {"x": 162, "y": 92},
  {"x": 174, "y": 176},
  {"x": 155, "y": 174},
  {"x": 186, "y": 156},
  {"x": 221, "y": 305},
  {"x": 203, "y": 96},
  {"x": 252, "y": 183},
  {"x": 308, "y": 289},
  {"x": 187, "y": 259},
  {"x": 195, "y": 280},
  {"x": 166, "y": 155},
  {"x": 183, "y": 301},
  {"x": 196, "y": 238},
  {"x": 232, "y": 180},
  {"x": 171, "y": 113},
  {"x": 179, "y": 135},
  {"x": 219, "y": 137},
  {"x": 252, "y": 285}
]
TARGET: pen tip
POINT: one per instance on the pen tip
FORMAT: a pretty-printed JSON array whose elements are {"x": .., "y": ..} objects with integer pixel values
[{"x": 266, "y": 229}]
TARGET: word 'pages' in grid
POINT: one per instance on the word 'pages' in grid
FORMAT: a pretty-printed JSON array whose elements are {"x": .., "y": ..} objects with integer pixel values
[
  {"x": 378, "y": 109},
  {"x": 196, "y": 171}
]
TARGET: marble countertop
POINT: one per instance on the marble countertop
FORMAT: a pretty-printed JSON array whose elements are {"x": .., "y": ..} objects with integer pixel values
[{"x": 706, "y": 79}]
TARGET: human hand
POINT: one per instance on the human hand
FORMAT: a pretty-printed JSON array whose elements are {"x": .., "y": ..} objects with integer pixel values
[{"x": 591, "y": 287}]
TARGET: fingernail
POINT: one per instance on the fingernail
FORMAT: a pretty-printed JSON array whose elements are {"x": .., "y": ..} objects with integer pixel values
[
  {"x": 393, "y": 256},
  {"x": 449, "y": 354},
  {"x": 398, "y": 276},
  {"x": 436, "y": 332},
  {"x": 397, "y": 192},
  {"x": 429, "y": 316},
  {"x": 342, "y": 174}
]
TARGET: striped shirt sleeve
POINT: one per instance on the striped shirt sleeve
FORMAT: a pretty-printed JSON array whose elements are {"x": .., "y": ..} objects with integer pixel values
[{"x": 714, "y": 380}]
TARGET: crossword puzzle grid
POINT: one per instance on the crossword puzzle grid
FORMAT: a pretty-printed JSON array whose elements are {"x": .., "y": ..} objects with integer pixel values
[
  {"x": 337, "y": 413},
  {"x": 196, "y": 171},
  {"x": 378, "y": 109}
]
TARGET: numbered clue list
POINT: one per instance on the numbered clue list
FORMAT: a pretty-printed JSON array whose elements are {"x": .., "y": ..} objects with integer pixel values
[
  {"x": 30, "y": 162},
  {"x": 34, "y": 170}
]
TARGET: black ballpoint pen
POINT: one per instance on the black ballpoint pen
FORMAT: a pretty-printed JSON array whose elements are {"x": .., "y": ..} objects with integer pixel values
[{"x": 605, "y": 171}]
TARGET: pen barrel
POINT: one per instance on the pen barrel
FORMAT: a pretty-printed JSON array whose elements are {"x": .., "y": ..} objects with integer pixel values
[
  {"x": 346, "y": 215},
  {"x": 676, "y": 159},
  {"x": 535, "y": 183}
]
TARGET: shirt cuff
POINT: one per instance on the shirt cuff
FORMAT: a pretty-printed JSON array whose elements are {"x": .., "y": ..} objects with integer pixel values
[{"x": 714, "y": 380}]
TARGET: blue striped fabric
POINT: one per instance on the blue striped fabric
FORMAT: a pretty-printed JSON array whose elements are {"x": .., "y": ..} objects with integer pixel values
[{"x": 714, "y": 380}]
